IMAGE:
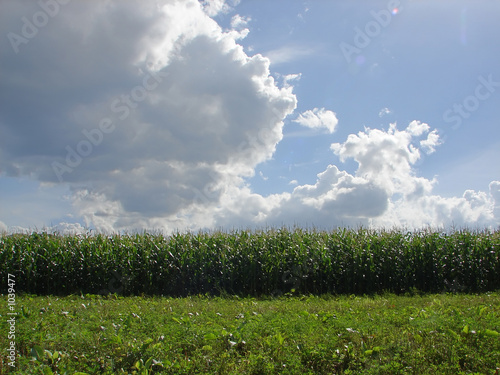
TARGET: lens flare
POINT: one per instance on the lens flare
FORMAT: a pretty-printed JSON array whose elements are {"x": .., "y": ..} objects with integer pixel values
[
  {"x": 395, "y": 11},
  {"x": 360, "y": 60}
]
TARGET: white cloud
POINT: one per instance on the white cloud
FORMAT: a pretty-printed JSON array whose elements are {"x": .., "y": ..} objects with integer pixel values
[
  {"x": 474, "y": 209},
  {"x": 337, "y": 198},
  {"x": 287, "y": 54},
  {"x": 384, "y": 192},
  {"x": 318, "y": 118},
  {"x": 386, "y": 157},
  {"x": 62, "y": 228},
  {"x": 67, "y": 229},
  {"x": 495, "y": 194},
  {"x": 429, "y": 145},
  {"x": 386, "y": 160},
  {"x": 384, "y": 111},
  {"x": 239, "y": 29},
  {"x": 214, "y": 7},
  {"x": 239, "y": 22},
  {"x": 290, "y": 78}
]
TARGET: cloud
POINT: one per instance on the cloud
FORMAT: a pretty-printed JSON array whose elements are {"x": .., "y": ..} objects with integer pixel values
[
  {"x": 384, "y": 192},
  {"x": 318, "y": 118},
  {"x": 67, "y": 229},
  {"x": 473, "y": 209},
  {"x": 238, "y": 25},
  {"x": 384, "y": 111},
  {"x": 287, "y": 54},
  {"x": 291, "y": 78},
  {"x": 154, "y": 117},
  {"x": 429, "y": 144},
  {"x": 238, "y": 22},
  {"x": 337, "y": 198},
  {"x": 386, "y": 157},
  {"x": 214, "y": 7},
  {"x": 148, "y": 120},
  {"x": 495, "y": 194},
  {"x": 61, "y": 228}
]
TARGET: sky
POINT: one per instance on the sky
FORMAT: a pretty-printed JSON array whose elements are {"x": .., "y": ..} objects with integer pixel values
[{"x": 186, "y": 115}]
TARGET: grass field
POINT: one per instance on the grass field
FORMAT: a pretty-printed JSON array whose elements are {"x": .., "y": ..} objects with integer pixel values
[
  {"x": 387, "y": 334},
  {"x": 268, "y": 302}
]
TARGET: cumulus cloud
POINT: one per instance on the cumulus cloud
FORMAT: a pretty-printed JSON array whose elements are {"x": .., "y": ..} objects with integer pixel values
[
  {"x": 495, "y": 194},
  {"x": 154, "y": 117},
  {"x": 386, "y": 157},
  {"x": 384, "y": 191},
  {"x": 337, "y": 198},
  {"x": 429, "y": 144},
  {"x": 155, "y": 110},
  {"x": 318, "y": 118},
  {"x": 239, "y": 29},
  {"x": 238, "y": 21}
]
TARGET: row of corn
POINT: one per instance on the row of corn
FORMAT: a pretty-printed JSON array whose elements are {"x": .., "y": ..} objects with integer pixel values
[{"x": 268, "y": 262}]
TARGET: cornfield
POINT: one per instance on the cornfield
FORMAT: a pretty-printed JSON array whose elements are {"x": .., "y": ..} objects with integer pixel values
[{"x": 254, "y": 263}]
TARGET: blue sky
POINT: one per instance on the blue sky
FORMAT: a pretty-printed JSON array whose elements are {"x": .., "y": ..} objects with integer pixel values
[{"x": 206, "y": 114}]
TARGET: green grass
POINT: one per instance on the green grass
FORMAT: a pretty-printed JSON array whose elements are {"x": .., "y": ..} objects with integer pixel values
[
  {"x": 258, "y": 263},
  {"x": 147, "y": 304},
  {"x": 385, "y": 334}
]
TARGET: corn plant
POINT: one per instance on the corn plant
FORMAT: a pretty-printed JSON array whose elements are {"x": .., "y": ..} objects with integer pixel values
[{"x": 266, "y": 262}]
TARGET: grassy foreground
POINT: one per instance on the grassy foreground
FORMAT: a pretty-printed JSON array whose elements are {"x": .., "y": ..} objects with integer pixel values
[{"x": 386, "y": 334}]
